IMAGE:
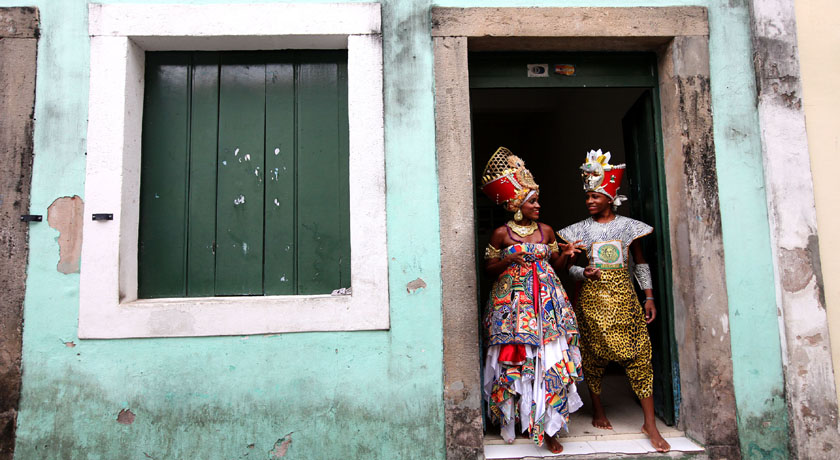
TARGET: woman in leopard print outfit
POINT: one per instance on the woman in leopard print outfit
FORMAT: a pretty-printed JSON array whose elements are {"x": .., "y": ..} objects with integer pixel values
[{"x": 613, "y": 325}]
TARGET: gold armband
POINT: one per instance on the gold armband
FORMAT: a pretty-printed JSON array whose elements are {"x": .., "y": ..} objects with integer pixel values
[
  {"x": 553, "y": 247},
  {"x": 492, "y": 253}
]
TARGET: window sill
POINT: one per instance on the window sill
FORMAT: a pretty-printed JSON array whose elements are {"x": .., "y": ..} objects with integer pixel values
[{"x": 212, "y": 316}]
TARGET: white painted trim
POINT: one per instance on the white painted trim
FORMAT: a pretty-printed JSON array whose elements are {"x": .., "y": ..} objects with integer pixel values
[
  {"x": 234, "y": 20},
  {"x": 120, "y": 34}
]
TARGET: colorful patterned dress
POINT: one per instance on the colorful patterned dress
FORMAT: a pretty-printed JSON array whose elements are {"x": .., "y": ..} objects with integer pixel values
[
  {"x": 612, "y": 323},
  {"x": 533, "y": 359}
]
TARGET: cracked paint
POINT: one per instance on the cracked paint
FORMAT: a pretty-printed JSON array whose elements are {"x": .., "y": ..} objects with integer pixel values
[
  {"x": 281, "y": 446},
  {"x": 796, "y": 268},
  {"x": 413, "y": 286},
  {"x": 125, "y": 417},
  {"x": 813, "y": 340},
  {"x": 65, "y": 215}
]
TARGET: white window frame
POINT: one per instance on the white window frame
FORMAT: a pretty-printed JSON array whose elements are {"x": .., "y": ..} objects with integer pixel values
[{"x": 120, "y": 35}]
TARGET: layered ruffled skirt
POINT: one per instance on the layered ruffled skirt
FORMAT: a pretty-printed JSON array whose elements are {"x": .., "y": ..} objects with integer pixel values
[
  {"x": 533, "y": 359},
  {"x": 537, "y": 389}
]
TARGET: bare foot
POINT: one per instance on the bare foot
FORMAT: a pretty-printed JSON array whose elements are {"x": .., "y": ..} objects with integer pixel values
[
  {"x": 600, "y": 420},
  {"x": 553, "y": 444},
  {"x": 599, "y": 417},
  {"x": 659, "y": 443}
]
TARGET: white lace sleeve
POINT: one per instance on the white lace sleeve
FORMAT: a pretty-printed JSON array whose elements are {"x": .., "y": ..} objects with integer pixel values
[
  {"x": 642, "y": 273},
  {"x": 569, "y": 234},
  {"x": 576, "y": 271}
]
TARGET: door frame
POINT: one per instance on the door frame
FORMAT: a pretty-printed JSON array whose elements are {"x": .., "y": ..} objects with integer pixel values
[{"x": 680, "y": 38}]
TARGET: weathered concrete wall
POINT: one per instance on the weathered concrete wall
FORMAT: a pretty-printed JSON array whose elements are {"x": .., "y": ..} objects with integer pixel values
[
  {"x": 701, "y": 310},
  {"x": 18, "y": 48},
  {"x": 461, "y": 351},
  {"x": 577, "y": 22},
  {"x": 818, "y": 33},
  {"x": 809, "y": 378},
  {"x": 753, "y": 321}
]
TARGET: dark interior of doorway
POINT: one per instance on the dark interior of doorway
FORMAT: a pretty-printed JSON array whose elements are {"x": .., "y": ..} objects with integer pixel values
[{"x": 552, "y": 129}]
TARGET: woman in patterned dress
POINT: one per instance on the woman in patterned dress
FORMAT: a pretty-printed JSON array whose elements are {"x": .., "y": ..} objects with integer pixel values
[
  {"x": 613, "y": 325},
  {"x": 533, "y": 359}
]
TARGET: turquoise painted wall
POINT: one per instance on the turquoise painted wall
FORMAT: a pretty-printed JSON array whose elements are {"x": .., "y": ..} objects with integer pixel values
[{"x": 340, "y": 395}]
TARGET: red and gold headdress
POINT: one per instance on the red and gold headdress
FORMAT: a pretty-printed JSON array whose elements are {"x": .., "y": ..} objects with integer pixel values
[
  {"x": 506, "y": 181},
  {"x": 602, "y": 177}
]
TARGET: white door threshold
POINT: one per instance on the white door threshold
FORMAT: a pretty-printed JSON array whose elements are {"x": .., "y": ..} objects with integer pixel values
[
  {"x": 527, "y": 450},
  {"x": 625, "y": 437}
]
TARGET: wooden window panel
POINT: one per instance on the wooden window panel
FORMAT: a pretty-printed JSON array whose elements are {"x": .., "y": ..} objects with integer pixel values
[
  {"x": 240, "y": 195},
  {"x": 318, "y": 166},
  {"x": 163, "y": 193},
  {"x": 280, "y": 167},
  {"x": 204, "y": 132},
  {"x": 283, "y": 193}
]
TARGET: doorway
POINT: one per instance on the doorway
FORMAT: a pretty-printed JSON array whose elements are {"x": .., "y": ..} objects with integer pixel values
[
  {"x": 550, "y": 109},
  {"x": 679, "y": 39}
]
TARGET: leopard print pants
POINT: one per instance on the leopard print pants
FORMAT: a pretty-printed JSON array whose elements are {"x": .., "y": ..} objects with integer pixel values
[{"x": 613, "y": 329}]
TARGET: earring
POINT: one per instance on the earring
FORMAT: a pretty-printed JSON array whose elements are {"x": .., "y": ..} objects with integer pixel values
[{"x": 518, "y": 216}]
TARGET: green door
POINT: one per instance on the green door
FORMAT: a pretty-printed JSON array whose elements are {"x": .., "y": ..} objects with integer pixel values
[
  {"x": 646, "y": 192},
  {"x": 244, "y": 175}
]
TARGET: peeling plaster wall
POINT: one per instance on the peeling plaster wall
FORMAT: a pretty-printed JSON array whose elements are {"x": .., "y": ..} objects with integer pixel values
[
  {"x": 818, "y": 31},
  {"x": 809, "y": 374},
  {"x": 756, "y": 344},
  {"x": 371, "y": 395}
]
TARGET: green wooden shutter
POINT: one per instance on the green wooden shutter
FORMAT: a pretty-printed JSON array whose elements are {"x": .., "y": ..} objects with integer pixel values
[
  {"x": 204, "y": 125},
  {"x": 163, "y": 172},
  {"x": 244, "y": 180},
  {"x": 319, "y": 165},
  {"x": 240, "y": 196},
  {"x": 281, "y": 247}
]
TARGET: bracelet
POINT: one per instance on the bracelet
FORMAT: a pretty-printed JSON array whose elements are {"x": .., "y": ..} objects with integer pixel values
[
  {"x": 492, "y": 253},
  {"x": 648, "y": 298}
]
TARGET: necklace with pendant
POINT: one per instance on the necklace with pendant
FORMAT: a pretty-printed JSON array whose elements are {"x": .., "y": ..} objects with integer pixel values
[{"x": 522, "y": 230}]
